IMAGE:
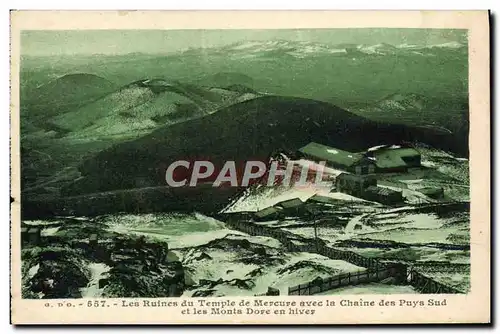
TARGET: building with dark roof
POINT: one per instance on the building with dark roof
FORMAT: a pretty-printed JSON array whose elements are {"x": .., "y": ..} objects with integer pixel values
[
  {"x": 322, "y": 199},
  {"x": 383, "y": 195},
  {"x": 31, "y": 235},
  {"x": 292, "y": 206},
  {"x": 269, "y": 213},
  {"x": 354, "y": 184},
  {"x": 290, "y": 203},
  {"x": 338, "y": 159},
  {"x": 394, "y": 158},
  {"x": 365, "y": 187}
]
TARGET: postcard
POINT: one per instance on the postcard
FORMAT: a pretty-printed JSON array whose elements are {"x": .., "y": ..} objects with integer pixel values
[{"x": 250, "y": 167}]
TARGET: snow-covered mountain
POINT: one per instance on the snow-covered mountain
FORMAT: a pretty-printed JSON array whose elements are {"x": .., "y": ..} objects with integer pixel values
[
  {"x": 450, "y": 45},
  {"x": 382, "y": 48},
  {"x": 408, "y": 49},
  {"x": 303, "y": 49}
]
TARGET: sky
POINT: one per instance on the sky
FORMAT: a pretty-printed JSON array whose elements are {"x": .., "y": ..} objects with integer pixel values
[{"x": 82, "y": 42}]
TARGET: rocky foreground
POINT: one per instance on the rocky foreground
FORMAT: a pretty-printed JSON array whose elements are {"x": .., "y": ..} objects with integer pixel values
[
  {"x": 162, "y": 255},
  {"x": 82, "y": 258}
]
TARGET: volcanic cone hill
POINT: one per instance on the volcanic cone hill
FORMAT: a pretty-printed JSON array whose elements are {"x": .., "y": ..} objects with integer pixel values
[
  {"x": 142, "y": 105},
  {"x": 241, "y": 132},
  {"x": 66, "y": 92}
]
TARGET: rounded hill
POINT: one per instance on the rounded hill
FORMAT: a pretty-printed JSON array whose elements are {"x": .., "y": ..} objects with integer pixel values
[
  {"x": 146, "y": 103},
  {"x": 68, "y": 91}
]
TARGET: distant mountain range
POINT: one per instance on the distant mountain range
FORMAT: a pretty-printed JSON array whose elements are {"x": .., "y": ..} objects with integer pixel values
[{"x": 297, "y": 49}]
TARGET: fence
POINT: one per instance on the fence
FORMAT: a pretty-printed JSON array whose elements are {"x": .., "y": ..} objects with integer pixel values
[
  {"x": 376, "y": 270},
  {"x": 351, "y": 257},
  {"x": 319, "y": 285},
  {"x": 296, "y": 243},
  {"x": 240, "y": 221},
  {"x": 425, "y": 284}
]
